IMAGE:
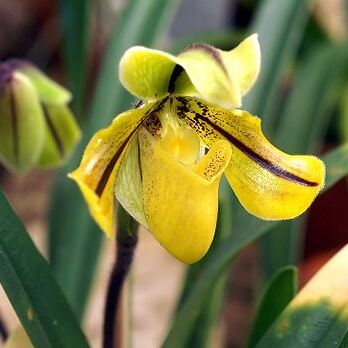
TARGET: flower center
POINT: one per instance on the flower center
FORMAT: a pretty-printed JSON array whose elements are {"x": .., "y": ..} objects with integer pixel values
[{"x": 179, "y": 141}]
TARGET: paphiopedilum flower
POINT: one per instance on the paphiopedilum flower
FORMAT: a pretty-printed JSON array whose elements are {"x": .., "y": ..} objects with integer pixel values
[{"x": 164, "y": 159}]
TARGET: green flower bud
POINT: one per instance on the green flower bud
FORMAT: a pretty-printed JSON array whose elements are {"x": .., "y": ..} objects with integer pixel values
[
  {"x": 36, "y": 126},
  {"x": 49, "y": 91},
  {"x": 21, "y": 121}
]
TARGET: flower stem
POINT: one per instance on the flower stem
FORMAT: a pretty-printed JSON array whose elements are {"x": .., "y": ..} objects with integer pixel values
[
  {"x": 3, "y": 330},
  {"x": 126, "y": 242}
]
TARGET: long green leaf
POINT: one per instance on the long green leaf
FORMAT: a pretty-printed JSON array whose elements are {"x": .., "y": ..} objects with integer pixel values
[
  {"x": 279, "y": 293},
  {"x": 280, "y": 25},
  {"x": 302, "y": 126},
  {"x": 249, "y": 230},
  {"x": 317, "y": 317},
  {"x": 32, "y": 289},
  {"x": 74, "y": 19},
  {"x": 74, "y": 239},
  {"x": 285, "y": 235},
  {"x": 344, "y": 341},
  {"x": 316, "y": 90}
]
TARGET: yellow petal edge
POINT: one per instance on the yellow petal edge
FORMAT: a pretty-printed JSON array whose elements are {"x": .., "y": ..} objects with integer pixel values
[
  {"x": 269, "y": 183},
  {"x": 180, "y": 202},
  {"x": 97, "y": 172}
]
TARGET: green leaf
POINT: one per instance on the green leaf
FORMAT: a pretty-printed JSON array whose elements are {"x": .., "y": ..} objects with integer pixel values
[
  {"x": 336, "y": 165},
  {"x": 280, "y": 26},
  {"x": 346, "y": 12},
  {"x": 29, "y": 284},
  {"x": 343, "y": 121},
  {"x": 316, "y": 90},
  {"x": 286, "y": 235},
  {"x": 247, "y": 229},
  {"x": 75, "y": 23},
  {"x": 318, "y": 315},
  {"x": 75, "y": 240},
  {"x": 280, "y": 291},
  {"x": 344, "y": 341},
  {"x": 302, "y": 127}
]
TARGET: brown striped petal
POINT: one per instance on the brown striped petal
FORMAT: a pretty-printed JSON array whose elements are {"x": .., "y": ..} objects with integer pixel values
[
  {"x": 269, "y": 183},
  {"x": 96, "y": 175}
]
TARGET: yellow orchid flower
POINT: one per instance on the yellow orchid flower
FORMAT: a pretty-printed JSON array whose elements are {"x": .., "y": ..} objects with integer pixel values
[{"x": 154, "y": 158}]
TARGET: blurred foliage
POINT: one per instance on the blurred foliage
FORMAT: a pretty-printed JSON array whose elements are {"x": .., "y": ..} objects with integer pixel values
[
  {"x": 279, "y": 292},
  {"x": 38, "y": 301},
  {"x": 75, "y": 24},
  {"x": 305, "y": 118},
  {"x": 317, "y": 316}
]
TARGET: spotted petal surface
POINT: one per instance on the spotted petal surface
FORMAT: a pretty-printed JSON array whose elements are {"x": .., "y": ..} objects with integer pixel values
[
  {"x": 97, "y": 172},
  {"x": 269, "y": 183},
  {"x": 181, "y": 202}
]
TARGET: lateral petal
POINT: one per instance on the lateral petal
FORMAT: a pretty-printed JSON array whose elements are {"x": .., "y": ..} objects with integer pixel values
[
  {"x": 180, "y": 202},
  {"x": 269, "y": 183},
  {"x": 97, "y": 172},
  {"x": 220, "y": 77}
]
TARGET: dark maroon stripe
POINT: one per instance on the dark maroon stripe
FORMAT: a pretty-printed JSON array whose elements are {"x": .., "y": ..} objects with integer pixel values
[
  {"x": 178, "y": 69},
  {"x": 139, "y": 163},
  {"x": 53, "y": 131},
  {"x": 14, "y": 122},
  {"x": 262, "y": 162},
  {"x": 138, "y": 104},
  {"x": 108, "y": 170}
]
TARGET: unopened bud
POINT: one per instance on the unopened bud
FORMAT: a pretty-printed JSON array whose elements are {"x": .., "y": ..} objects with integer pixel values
[
  {"x": 49, "y": 91},
  {"x": 21, "y": 122},
  {"x": 36, "y": 126}
]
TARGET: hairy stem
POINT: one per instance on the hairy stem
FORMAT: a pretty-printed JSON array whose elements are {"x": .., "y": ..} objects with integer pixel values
[{"x": 126, "y": 242}]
